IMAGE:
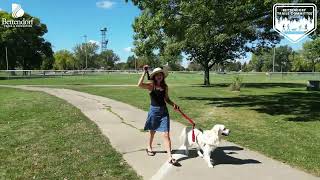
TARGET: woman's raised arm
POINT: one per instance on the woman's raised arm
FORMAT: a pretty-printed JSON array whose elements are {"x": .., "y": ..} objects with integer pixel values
[{"x": 141, "y": 84}]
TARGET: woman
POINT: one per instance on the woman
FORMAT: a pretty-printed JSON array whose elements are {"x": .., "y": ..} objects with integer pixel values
[{"x": 158, "y": 116}]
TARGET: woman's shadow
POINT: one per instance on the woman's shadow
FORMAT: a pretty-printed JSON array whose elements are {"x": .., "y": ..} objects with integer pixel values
[{"x": 219, "y": 156}]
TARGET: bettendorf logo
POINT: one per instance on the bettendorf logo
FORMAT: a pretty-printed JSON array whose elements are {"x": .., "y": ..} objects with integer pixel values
[
  {"x": 17, "y": 12},
  {"x": 294, "y": 21}
]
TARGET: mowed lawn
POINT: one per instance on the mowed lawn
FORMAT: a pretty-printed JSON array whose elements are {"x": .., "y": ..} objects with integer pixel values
[
  {"x": 192, "y": 78},
  {"x": 43, "y": 137},
  {"x": 272, "y": 115}
]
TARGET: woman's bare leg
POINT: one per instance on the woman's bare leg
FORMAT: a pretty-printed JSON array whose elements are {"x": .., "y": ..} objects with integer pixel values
[
  {"x": 167, "y": 143},
  {"x": 151, "y": 136}
]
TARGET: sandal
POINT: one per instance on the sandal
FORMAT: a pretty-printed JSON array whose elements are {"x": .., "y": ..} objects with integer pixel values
[
  {"x": 174, "y": 162},
  {"x": 150, "y": 153}
]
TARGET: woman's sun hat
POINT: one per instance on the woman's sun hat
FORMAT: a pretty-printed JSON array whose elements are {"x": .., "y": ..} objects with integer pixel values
[{"x": 158, "y": 70}]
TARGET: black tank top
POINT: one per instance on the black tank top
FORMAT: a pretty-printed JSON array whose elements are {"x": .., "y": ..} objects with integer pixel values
[{"x": 157, "y": 97}]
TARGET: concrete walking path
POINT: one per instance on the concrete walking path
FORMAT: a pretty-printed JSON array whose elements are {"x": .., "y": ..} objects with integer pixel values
[{"x": 122, "y": 124}]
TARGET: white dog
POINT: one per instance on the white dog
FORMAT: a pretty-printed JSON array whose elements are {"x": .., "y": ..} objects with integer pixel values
[{"x": 206, "y": 141}]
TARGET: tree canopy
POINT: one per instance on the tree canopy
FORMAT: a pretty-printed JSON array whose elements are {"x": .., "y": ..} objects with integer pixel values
[
  {"x": 26, "y": 46},
  {"x": 209, "y": 32},
  {"x": 311, "y": 52},
  {"x": 64, "y": 60},
  {"x": 86, "y": 55},
  {"x": 286, "y": 59},
  {"x": 107, "y": 59}
]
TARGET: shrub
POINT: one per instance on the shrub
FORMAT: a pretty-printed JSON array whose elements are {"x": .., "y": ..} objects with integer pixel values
[{"x": 236, "y": 83}]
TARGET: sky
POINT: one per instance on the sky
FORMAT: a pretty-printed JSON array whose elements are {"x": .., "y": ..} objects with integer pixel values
[{"x": 69, "y": 20}]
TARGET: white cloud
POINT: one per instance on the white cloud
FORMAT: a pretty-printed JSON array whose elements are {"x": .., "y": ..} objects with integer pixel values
[
  {"x": 127, "y": 49},
  {"x": 94, "y": 42},
  {"x": 105, "y": 4},
  {"x": 1, "y": 9}
]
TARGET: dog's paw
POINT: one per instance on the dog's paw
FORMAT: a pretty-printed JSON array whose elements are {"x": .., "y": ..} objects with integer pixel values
[
  {"x": 210, "y": 165},
  {"x": 200, "y": 154}
]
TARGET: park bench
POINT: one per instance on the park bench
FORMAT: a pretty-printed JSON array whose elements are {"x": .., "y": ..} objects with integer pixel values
[{"x": 313, "y": 85}]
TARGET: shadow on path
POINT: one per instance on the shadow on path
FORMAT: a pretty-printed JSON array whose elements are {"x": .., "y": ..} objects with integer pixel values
[{"x": 219, "y": 156}]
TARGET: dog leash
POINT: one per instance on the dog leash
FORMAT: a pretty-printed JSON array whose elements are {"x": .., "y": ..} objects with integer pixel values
[{"x": 192, "y": 122}]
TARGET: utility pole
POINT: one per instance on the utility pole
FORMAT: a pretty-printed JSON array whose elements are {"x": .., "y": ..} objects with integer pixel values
[
  {"x": 135, "y": 63},
  {"x": 85, "y": 50},
  {"x": 7, "y": 58},
  {"x": 274, "y": 54}
]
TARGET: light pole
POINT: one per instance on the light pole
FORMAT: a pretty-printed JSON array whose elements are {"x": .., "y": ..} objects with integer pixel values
[
  {"x": 135, "y": 63},
  {"x": 85, "y": 50},
  {"x": 7, "y": 58},
  {"x": 274, "y": 54}
]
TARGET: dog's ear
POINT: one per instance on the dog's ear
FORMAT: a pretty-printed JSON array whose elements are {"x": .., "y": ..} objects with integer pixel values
[{"x": 218, "y": 127}]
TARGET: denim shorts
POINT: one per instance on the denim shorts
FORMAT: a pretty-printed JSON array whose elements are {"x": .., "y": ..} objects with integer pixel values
[{"x": 158, "y": 119}]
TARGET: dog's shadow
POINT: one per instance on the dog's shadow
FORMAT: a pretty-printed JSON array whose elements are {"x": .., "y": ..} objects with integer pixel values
[{"x": 221, "y": 157}]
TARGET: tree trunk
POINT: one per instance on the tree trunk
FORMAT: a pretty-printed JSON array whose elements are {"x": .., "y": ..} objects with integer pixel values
[{"x": 206, "y": 76}]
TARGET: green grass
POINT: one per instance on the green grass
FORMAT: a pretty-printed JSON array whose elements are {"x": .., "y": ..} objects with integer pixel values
[
  {"x": 273, "y": 115},
  {"x": 44, "y": 137},
  {"x": 173, "y": 78},
  {"x": 281, "y": 120}
]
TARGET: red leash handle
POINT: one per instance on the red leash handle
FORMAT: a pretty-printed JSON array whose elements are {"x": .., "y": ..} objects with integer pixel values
[{"x": 192, "y": 122}]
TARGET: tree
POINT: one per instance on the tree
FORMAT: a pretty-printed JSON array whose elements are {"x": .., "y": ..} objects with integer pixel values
[
  {"x": 131, "y": 62},
  {"x": 63, "y": 60},
  {"x": 316, "y": 33},
  {"x": 175, "y": 67},
  {"x": 233, "y": 66},
  {"x": 299, "y": 64},
  {"x": 86, "y": 51},
  {"x": 193, "y": 66},
  {"x": 209, "y": 32},
  {"x": 26, "y": 46},
  {"x": 263, "y": 60},
  {"x": 47, "y": 63},
  {"x": 152, "y": 60},
  {"x": 282, "y": 61},
  {"x": 107, "y": 59},
  {"x": 245, "y": 67},
  {"x": 311, "y": 52},
  {"x": 172, "y": 61},
  {"x": 170, "y": 55},
  {"x": 256, "y": 63},
  {"x": 121, "y": 66}
]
